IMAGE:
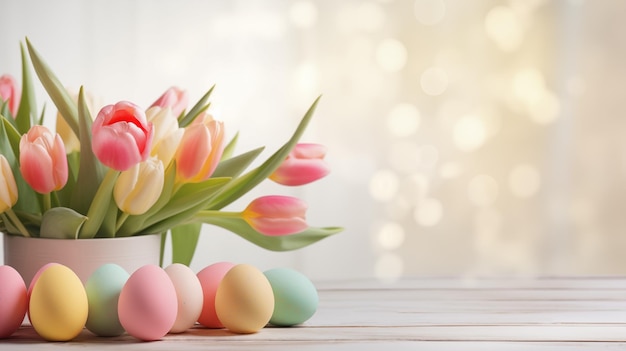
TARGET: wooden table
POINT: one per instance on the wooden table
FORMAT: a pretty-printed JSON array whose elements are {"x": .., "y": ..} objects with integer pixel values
[{"x": 425, "y": 314}]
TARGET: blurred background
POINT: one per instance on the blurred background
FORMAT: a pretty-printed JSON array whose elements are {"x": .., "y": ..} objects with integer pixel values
[{"x": 465, "y": 137}]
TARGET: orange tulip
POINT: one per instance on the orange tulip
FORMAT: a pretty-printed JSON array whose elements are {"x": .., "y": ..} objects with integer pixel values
[{"x": 200, "y": 149}]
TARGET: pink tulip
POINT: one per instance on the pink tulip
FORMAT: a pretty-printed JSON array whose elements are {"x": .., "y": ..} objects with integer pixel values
[
  {"x": 200, "y": 149},
  {"x": 10, "y": 92},
  {"x": 276, "y": 215},
  {"x": 174, "y": 98},
  {"x": 42, "y": 160},
  {"x": 122, "y": 137},
  {"x": 304, "y": 165}
]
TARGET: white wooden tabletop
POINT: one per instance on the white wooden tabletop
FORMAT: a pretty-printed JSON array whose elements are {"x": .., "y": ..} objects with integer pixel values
[{"x": 425, "y": 314}]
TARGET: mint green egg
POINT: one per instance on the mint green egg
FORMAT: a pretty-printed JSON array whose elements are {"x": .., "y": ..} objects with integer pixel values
[
  {"x": 103, "y": 290},
  {"x": 295, "y": 297}
]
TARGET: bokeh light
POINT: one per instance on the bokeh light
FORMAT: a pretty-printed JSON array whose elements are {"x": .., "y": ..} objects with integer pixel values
[
  {"x": 390, "y": 236},
  {"x": 469, "y": 133},
  {"x": 391, "y": 55},
  {"x": 504, "y": 27},
  {"x": 428, "y": 212},
  {"x": 403, "y": 120}
]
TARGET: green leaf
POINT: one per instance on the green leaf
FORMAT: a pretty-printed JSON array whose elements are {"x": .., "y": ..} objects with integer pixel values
[
  {"x": 229, "y": 149},
  {"x": 91, "y": 171},
  {"x": 107, "y": 228},
  {"x": 234, "y": 166},
  {"x": 61, "y": 223},
  {"x": 198, "y": 108},
  {"x": 27, "y": 110},
  {"x": 189, "y": 196},
  {"x": 184, "y": 242},
  {"x": 12, "y": 135},
  {"x": 55, "y": 89},
  {"x": 99, "y": 206},
  {"x": 273, "y": 243},
  {"x": 238, "y": 187}
]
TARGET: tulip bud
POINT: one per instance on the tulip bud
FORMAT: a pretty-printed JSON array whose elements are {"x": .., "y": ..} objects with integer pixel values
[
  {"x": 122, "y": 137},
  {"x": 200, "y": 149},
  {"x": 42, "y": 160},
  {"x": 139, "y": 187},
  {"x": 167, "y": 134},
  {"x": 10, "y": 92},
  {"x": 276, "y": 215},
  {"x": 8, "y": 188},
  {"x": 174, "y": 98},
  {"x": 304, "y": 165}
]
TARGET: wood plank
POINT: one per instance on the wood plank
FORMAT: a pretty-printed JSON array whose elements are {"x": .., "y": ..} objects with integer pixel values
[{"x": 427, "y": 313}]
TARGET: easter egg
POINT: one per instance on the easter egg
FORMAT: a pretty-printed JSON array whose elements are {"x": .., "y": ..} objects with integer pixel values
[
  {"x": 148, "y": 305},
  {"x": 13, "y": 301},
  {"x": 58, "y": 304},
  {"x": 210, "y": 278},
  {"x": 244, "y": 301},
  {"x": 189, "y": 295},
  {"x": 295, "y": 297},
  {"x": 103, "y": 289}
]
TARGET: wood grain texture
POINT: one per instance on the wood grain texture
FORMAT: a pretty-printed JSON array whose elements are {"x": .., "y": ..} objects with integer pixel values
[{"x": 427, "y": 313}]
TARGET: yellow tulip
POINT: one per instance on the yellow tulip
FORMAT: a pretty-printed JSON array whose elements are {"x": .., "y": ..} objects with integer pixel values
[
  {"x": 167, "y": 134},
  {"x": 8, "y": 188},
  {"x": 139, "y": 187}
]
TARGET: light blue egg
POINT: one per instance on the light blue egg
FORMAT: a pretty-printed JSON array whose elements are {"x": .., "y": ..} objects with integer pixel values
[
  {"x": 103, "y": 290},
  {"x": 295, "y": 297}
]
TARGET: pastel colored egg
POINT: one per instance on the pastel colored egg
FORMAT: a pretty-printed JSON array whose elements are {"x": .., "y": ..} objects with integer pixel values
[
  {"x": 103, "y": 289},
  {"x": 210, "y": 278},
  {"x": 295, "y": 297},
  {"x": 148, "y": 305},
  {"x": 244, "y": 301},
  {"x": 189, "y": 295},
  {"x": 58, "y": 304},
  {"x": 13, "y": 301},
  {"x": 36, "y": 276}
]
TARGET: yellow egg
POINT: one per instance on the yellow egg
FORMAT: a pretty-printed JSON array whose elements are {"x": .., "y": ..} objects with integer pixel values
[
  {"x": 58, "y": 304},
  {"x": 244, "y": 300}
]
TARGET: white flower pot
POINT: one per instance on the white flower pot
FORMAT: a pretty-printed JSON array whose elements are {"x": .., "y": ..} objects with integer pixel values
[{"x": 83, "y": 256}]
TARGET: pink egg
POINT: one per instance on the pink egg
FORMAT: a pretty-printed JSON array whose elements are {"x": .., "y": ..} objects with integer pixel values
[
  {"x": 210, "y": 278},
  {"x": 13, "y": 301},
  {"x": 147, "y": 305}
]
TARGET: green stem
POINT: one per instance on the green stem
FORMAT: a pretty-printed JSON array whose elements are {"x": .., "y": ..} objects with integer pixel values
[
  {"x": 121, "y": 220},
  {"x": 47, "y": 202},
  {"x": 200, "y": 215},
  {"x": 16, "y": 221}
]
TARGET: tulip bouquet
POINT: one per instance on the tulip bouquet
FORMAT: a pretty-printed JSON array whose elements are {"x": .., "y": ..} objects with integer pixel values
[{"x": 134, "y": 171}]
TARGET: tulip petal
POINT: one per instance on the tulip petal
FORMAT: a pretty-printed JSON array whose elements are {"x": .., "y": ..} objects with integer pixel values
[
  {"x": 122, "y": 136},
  {"x": 305, "y": 164},
  {"x": 42, "y": 160},
  {"x": 276, "y": 215}
]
